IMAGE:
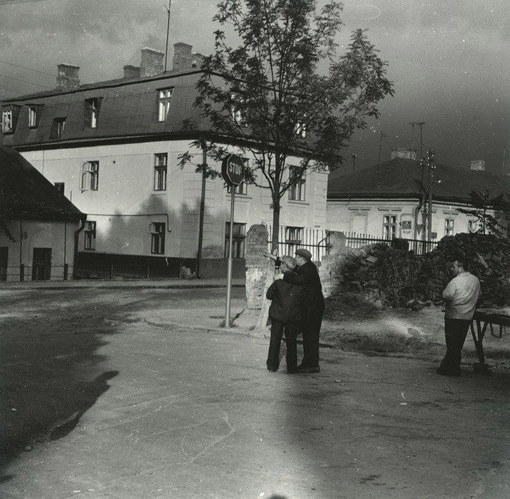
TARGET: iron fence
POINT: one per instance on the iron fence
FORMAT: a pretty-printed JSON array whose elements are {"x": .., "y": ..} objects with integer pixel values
[
  {"x": 418, "y": 246},
  {"x": 316, "y": 241}
]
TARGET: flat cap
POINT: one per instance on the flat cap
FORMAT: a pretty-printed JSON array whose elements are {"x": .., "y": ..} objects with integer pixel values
[{"x": 304, "y": 253}]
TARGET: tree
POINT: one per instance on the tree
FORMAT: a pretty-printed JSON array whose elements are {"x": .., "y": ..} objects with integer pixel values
[
  {"x": 482, "y": 204},
  {"x": 269, "y": 97}
]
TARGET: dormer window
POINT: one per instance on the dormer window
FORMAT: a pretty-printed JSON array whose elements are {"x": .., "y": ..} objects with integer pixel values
[
  {"x": 32, "y": 116},
  {"x": 301, "y": 130},
  {"x": 164, "y": 98},
  {"x": 57, "y": 128},
  {"x": 10, "y": 116},
  {"x": 92, "y": 112}
]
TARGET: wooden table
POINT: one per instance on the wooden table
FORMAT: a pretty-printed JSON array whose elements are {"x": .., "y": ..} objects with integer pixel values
[{"x": 483, "y": 318}]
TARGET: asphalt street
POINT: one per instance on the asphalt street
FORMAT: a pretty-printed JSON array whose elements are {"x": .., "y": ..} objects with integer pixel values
[{"x": 139, "y": 393}]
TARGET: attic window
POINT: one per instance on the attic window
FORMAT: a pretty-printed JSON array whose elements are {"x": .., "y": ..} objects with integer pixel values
[
  {"x": 32, "y": 116},
  {"x": 57, "y": 128},
  {"x": 91, "y": 112},
  {"x": 164, "y": 98},
  {"x": 10, "y": 116}
]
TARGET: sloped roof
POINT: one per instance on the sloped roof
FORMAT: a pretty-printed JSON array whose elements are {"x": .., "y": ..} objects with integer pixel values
[
  {"x": 128, "y": 109},
  {"x": 26, "y": 193},
  {"x": 401, "y": 178}
]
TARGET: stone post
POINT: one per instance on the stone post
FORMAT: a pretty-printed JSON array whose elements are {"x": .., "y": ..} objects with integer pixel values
[
  {"x": 256, "y": 266},
  {"x": 332, "y": 265}
]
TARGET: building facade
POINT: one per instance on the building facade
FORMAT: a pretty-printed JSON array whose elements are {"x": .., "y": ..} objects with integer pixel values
[
  {"x": 391, "y": 200},
  {"x": 39, "y": 227},
  {"x": 113, "y": 149}
]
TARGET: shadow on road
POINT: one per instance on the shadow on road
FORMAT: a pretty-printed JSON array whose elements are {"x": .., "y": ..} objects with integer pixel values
[{"x": 49, "y": 344}]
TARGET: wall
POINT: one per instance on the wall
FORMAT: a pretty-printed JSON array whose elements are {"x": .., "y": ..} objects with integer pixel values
[
  {"x": 125, "y": 203},
  {"x": 366, "y": 217},
  {"x": 59, "y": 236}
]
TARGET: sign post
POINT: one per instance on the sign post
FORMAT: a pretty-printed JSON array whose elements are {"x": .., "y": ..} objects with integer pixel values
[{"x": 233, "y": 171}]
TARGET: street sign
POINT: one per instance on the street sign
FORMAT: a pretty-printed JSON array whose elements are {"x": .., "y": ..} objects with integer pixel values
[{"x": 233, "y": 169}]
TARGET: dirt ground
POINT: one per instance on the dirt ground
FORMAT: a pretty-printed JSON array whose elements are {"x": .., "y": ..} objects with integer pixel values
[{"x": 354, "y": 325}]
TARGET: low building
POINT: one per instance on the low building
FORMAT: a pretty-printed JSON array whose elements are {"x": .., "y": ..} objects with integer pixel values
[
  {"x": 390, "y": 200},
  {"x": 39, "y": 226},
  {"x": 113, "y": 148}
]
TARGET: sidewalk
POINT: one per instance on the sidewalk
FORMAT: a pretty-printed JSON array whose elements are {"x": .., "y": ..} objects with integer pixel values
[{"x": 124, "y": 283}]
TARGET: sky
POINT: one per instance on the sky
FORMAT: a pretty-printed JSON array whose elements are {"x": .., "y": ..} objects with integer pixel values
[{"x": 448, "y": 59}]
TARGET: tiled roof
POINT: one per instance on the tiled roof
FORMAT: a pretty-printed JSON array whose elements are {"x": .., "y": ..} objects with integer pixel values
[
  {"x": 401, "y": 178},
  {"x": 26, "y": 193}
]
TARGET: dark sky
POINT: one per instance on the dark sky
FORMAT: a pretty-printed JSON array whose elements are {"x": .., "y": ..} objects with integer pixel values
[{"x": 449, "y": 61}]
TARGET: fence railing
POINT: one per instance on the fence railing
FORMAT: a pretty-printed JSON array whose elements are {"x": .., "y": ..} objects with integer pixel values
[
  {"x": 38, "y": 272},
  {"x": 418, "y": 246},
  {"x": 316, "y": 241}
]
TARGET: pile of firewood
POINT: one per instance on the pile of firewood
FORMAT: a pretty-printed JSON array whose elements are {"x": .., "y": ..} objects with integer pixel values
[{"x": 402, "y": 278}]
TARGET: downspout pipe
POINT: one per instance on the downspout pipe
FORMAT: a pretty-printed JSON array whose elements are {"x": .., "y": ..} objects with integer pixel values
[{"x": 83, "y": 219}]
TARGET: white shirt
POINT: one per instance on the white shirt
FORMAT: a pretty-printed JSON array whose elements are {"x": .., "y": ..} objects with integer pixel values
[{"x": 461, "y": 295}]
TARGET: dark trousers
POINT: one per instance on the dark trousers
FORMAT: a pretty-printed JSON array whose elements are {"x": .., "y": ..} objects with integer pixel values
[
  {"x": 291, "y": 334},
  {"x": 455, "y": 331},
  {"x": 311, "y": 341}
]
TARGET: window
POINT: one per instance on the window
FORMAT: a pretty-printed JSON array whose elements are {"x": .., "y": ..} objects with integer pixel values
[
  {"x": 472, "y": 226},
  {"x": 238, "y": 189},
  {"x": 91, "y": 112},
  {"x": 157, "y": 238},
  {"x": 58, "y": 128},
  {"x": 60, "y": 187},
  {"x": 301, "y": 130},
  {"x": 238, "y": 237},
  {"x": 390, "y": 227},
  {"x": 90, "y": 236},
  {"x": 297, "y": 188},
  {"x": 7, "y": 121},
  {"x": 448, "y": 227},
  {"x": 238, "y": 114},
  {"x": 160, "y": 171},
  {"x": 32, "y": 116},
  {"x": 90, "y": 176},
  {"x": 164, "y": 97}
]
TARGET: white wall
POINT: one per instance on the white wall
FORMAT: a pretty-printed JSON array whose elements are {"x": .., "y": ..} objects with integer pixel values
[
  {"x": 59, "y": 236},
  {"x": 366, "y": 217},
  {"x": 125, "y": 203}
]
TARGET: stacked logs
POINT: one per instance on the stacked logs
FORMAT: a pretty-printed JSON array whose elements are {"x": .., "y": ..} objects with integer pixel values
[{"x": 401, "y": 277}]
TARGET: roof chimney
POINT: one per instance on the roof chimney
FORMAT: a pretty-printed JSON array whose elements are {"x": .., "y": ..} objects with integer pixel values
[
  {"x": 67, "y": 77},
  {"x": 151, "y": 63},
  {"x": 131, "y": 71},
  {"x": 183, "y": 59}
]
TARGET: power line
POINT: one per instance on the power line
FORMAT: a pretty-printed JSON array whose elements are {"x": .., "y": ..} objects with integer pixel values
[
  {"x": 25, "y": 67},
  {"x": 25, "y": 81}
]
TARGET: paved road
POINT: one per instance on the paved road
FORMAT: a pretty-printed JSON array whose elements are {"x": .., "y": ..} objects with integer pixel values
[{"x": 105, "y": 396}]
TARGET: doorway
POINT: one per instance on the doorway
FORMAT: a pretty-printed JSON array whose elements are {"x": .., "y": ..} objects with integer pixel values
[{"x": 41, "y": 264}]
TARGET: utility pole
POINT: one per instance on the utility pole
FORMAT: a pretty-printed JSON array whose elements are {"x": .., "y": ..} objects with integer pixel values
[
  {"x": 430, "y": 168},
  {"x": 354, "y": 156},
  {"x": 167, "y": 31},
  {"x": 420, "y": 125}
]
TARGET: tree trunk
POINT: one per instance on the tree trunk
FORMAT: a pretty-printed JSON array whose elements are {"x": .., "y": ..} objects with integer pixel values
[{"x": 276, "y": 226}]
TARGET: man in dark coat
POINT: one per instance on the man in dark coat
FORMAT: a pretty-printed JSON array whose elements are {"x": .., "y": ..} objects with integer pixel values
[
  {"x": 285, "y": 314},
  {"x": 308, "y": 276}
]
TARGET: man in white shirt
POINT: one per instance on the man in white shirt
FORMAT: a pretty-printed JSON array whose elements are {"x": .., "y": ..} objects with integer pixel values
[{"x": 461, "y": 296}]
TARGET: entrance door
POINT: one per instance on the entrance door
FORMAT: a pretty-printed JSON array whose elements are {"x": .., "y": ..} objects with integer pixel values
[
  {"x": 4, "y": 253},
  {"x": 41, "y": 264}
]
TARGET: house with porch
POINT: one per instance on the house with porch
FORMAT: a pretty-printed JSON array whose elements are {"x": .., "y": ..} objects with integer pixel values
[
  {"x": 390, "y": 200},
  {"x": 39, "y": 226},
  {"x": 113, "y": 148}
]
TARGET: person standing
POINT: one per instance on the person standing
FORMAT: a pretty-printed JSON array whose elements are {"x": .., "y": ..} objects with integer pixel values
[
  {"x": 285, "y": 314},
  {"x": 314, "y": 305},
  {"x": 461, "y": 296}
]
